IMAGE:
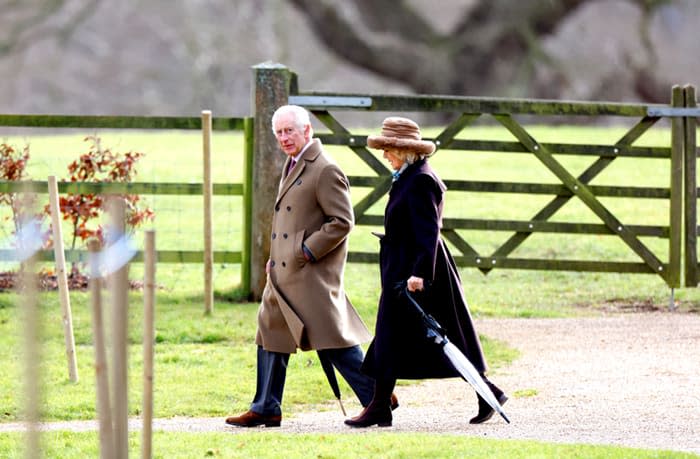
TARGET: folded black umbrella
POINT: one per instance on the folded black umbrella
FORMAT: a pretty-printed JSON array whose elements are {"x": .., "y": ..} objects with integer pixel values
[
  {"x": 458, "y": 360},
  {"x": 332, "y": 380}
]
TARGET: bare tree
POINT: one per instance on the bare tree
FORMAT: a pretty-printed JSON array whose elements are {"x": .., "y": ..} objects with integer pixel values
[
  {"x": 496, "y": 44},
  {"x": 28, "y": 21}
]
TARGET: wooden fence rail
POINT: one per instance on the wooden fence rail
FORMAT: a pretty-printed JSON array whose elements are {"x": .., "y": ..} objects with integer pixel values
[
  {"x": 275, "y": 85},
  {"x": 155, "y": 188}
]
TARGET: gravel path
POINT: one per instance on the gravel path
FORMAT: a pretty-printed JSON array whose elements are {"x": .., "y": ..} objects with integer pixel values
[{"x": 628, "y": 380}]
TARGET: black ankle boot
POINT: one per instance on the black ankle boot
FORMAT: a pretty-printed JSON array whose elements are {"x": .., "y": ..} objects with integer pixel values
[
  {"x": 485, "y": 411},
  {"x": 378, "y": 413}
]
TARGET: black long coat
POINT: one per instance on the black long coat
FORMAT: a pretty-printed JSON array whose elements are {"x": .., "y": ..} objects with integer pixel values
[{"x": 412, "y": 246}]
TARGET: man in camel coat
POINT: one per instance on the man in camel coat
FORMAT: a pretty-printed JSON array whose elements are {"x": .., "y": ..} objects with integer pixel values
[{"x": 304, "y": 305}]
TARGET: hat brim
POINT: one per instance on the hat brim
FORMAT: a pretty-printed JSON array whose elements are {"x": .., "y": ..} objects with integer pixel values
[{"x": 422, "y": 147}]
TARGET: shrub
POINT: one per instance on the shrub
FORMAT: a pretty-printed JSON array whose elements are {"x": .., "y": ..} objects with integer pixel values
[
  {"x": 100, "y": 165},
  {"x": 13, "y": 165}
]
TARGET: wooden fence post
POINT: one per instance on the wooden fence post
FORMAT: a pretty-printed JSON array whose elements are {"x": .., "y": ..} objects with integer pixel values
[
  {"x": 691, "y": 191},
  {"x": 248, "y": 137},
  {"x": 272, "y": 85},
  {"x": 207, "y": 191},
  {"x": 673, "y": 278}
]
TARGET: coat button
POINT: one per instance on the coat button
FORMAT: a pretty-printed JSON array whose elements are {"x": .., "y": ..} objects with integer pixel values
[
  {"x": 289, "y": 208},
  {"x": 284, "y": 235},
  {"x": 274, "y": 235},
  {"x": 284, "y": 265},
  {"x": 272, "y": 263}
]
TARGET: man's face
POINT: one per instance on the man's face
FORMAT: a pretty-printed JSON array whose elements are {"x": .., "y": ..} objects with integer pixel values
[{"x": 290, "y": 138}]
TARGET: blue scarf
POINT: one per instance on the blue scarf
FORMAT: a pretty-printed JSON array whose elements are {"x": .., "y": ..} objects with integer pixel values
[{"x": 397, "y": 173}]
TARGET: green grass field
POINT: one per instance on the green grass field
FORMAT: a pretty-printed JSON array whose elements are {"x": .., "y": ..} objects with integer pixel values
[
  {"x": 205, "y": 364},
  {"x": 298, "y": 446}
]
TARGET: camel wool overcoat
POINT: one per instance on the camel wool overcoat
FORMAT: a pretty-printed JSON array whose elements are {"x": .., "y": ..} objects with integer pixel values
[{"x": 304, "y": 305}]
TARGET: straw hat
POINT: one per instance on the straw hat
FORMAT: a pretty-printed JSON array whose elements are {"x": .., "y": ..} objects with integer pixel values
[{"x": 401, "y": 133}]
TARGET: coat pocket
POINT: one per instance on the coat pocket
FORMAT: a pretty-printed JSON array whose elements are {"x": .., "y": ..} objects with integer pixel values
[{"x": 299, "y": 238}]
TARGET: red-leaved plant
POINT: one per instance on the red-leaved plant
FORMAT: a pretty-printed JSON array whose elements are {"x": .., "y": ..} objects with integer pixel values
[
  {"x": 13, "y": 165},
  {"x": 101, "y": 165}
]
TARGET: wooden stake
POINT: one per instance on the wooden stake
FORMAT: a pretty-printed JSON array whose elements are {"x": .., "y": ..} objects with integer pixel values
[
  {"x": 149, "y": 288},
  {"x": 104, "y": 411},
  {"x": 119, "y": 290},
  {"x": 32, "y": 356},
  {"x": 59, "y": 256},
  {"x": 31, "y": 319}
]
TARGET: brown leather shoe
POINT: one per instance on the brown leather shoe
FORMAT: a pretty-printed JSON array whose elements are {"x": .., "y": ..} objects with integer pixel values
[
  {"x": 374, "y": 413},
  {"x": 252, "y": 419},
  {"x": 394, "y": 402}
]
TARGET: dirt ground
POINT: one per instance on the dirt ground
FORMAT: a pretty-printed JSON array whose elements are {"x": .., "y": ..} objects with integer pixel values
[{"x": 622, "y": 379}]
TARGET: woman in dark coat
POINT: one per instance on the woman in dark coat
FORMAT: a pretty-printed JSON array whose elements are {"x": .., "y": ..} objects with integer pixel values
[{"x": 412, "y": 255}]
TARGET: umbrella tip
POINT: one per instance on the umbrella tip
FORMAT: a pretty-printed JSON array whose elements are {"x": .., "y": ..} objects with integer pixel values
[{"x": 342, "y": 408}]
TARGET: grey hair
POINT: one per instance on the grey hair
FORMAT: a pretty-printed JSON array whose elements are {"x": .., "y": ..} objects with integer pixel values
[
  {"x": 300, "y": 115},
  {"x": 410, "y": 156}
]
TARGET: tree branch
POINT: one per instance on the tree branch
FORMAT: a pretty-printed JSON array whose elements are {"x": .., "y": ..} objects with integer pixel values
[
  {"x": 385, "y": 54},
  {"x": 31, "y": 22},
  {"x": 392, "y": 40}
]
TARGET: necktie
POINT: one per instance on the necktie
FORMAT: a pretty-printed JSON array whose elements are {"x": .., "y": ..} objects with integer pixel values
[
  {"x": 292, "y": 163},
  {"x": 395, "y": 174}
]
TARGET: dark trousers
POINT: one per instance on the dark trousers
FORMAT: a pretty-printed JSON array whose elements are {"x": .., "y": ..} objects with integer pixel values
[
  {"x": 272, "y": 372},
  {"x": 347, "y": 361}
]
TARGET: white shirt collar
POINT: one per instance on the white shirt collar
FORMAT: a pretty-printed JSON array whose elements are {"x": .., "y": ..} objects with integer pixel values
[{"x": 298, "y": 156}]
